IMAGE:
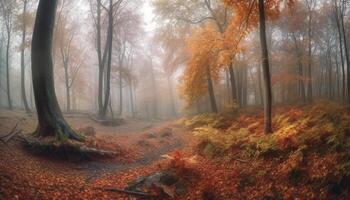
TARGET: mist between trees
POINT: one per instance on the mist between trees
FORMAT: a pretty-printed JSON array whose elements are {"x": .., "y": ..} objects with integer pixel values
[{"x": 160, "y": 59}]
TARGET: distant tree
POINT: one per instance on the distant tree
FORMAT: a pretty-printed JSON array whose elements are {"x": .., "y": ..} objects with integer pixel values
[
  {"x": 51, "y": 120},
  {"x": 7, "y": 10},
  {"x": 25, "y": 20}
]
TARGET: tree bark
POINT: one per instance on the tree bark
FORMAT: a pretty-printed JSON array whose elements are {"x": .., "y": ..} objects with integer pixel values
[
  {"x": 109, "y": 60},
  {"x": 23, "y": 88},
  {"x": 8, "y": 68},
  {"x": 337, "y": 20},
  {"x": 51, "y": 120},
  {"x": 309, "y": 84},
  {"x": 266, "y": 70},
  {"x": 233, "y": 84},
  {"x": 346, "y": 53},
  {"x": 213, "y": 105},
  {"x": 120, "y": 92},
  {"x": 301, "y": 89}
]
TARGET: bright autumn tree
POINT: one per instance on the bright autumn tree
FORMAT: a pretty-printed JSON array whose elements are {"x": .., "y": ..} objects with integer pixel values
[
  {"x": 201, "y": 69},
  {"x": 258, "y": 12}
]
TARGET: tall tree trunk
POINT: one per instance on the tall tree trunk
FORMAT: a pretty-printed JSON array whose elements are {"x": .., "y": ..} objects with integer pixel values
[
  {"x": 214, "y": 108},
  {"x": 23, "y": 88},
  {"x": 51, "y": 120},
  {"x": 337, "y": 20},
  {"x": 266, "y": 70},
  {"x": 102, "y": 56},
  {"x": 301, "y": 86},
  {"x": 99, "y": 56},
  {"x": 346, "y": 54},
  {"x": 8, "y": 69},
  {"x": 120, "y": 92},
  {"x": 109, "y": 61},
  {"x": 309, "y": 84}
]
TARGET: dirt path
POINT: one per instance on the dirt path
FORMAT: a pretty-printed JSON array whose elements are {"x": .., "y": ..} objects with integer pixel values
[{"x": 20, "y": 167}]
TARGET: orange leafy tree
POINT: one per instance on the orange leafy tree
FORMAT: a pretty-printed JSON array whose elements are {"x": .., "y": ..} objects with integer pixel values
[
  {"x": 257, "y": 12},
  {"x": 201, "y": 70}
]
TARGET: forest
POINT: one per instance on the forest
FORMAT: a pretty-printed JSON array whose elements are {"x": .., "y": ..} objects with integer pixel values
[{"x": 175, "y": 99}]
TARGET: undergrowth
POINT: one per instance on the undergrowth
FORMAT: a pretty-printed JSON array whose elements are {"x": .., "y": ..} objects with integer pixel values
[{"x": 307, "y": 141}]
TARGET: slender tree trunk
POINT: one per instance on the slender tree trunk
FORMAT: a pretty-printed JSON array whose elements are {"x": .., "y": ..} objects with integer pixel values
[
  {"x": 227, "y": 85},
  {"x": 337, "y": 76},
  {"x": 120, "y": 92},
  {"x": 300, "y": 70},
  {"x": 154, "y": 87},
  {"x": 329, "y": 73},
  {"x": 309, "y": 85},
  {"x": 337, "y": 20},
  {"x": 259, "y": 74},
  {"x": 346, "y": 54},
  {"x": 131, "y": 99},
  {"x": 8, "y": 69},
  {"x": 102, "y": 56},
  {"x": 67, "y": 85},
  {"x": 99, "y": 56},
  {"x": 23, "y": 88},
  {"x": 109, "y": 61},
  {"x": 245, "y": 86},
  {"x": 172, "y": 98},
  {"x": 211, "y": 92},
  {"x": 266, "y": 70},
  {"x": 51, "y": 120}
]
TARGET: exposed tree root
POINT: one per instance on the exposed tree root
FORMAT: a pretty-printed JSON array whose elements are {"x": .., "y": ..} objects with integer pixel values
[
  {"x": 61, "y": 131},
  {"x": 67, "y": 150}
]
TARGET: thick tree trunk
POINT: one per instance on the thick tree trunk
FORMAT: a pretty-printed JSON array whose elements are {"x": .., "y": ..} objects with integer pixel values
[
  {"x": 23, "y": 88},
  {"x": 266, "y": 70},
  {"x": 214, "y": 108},
  {"x": 51, "y": 121}
]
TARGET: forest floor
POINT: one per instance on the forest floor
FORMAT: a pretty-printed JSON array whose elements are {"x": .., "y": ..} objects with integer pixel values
[{"x": 214, "y": 156}]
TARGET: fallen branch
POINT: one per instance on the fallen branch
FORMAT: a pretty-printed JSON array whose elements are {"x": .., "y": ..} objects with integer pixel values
[
  {"x": 11, "y": 136},
  {"x": 143, "y": 194},
  {"x": 11, "y": 132},
  {"x": 89, "y": 150}
]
